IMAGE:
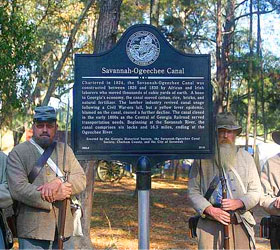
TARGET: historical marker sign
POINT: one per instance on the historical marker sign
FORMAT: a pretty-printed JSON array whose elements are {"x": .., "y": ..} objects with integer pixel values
[{"x": 143, "y": 97}]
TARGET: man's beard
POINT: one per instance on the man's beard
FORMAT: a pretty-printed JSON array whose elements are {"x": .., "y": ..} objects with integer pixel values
[
  {"x": 43, "y": 142},
  {"x": 227, "y": 155}
]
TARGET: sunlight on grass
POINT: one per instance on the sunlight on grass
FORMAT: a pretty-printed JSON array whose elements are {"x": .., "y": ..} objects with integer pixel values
[
  {"x": 159, "y": 205},
  {"x": 156, "y": 184},
  {"x": 160, "y": 225},
  {"x": 113, "y": 239}
]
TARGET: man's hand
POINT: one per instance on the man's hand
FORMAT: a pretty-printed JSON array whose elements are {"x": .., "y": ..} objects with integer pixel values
[
  {"x": 218, "y": 214},
  {"x": 48, "y": 190},
  {"x": 64, "y": 191},
  {"x": 231, "y": 204},
  {"x": 277, "y": 202}
]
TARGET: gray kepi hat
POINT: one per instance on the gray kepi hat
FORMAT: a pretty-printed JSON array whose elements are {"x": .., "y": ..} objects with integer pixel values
[
  {"x": 227, "y": 120},
  {"x": 276, "y": 137},
  {"x": 44, "y": 114}
]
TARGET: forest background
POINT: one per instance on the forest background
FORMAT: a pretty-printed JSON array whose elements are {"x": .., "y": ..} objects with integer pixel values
[{"x": 39, "y": 38}]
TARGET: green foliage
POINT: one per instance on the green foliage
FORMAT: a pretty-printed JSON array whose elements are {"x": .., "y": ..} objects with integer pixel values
[
  {"x": 271, "y": 90},
  {"x": 18, "y": 49},
  {"x": 267, "y": 4},
  {"x": 185, "y": 25},
  {"x": 34, "y": 34},
  {"x": 133, "y": 12}
]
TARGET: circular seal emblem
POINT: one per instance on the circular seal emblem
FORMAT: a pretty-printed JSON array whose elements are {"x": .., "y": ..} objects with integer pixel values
[{"x": 143, "y": 48}]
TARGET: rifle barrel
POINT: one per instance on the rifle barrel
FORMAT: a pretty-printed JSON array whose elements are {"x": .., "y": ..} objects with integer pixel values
[
  {"x": 224, "y": 186},
  {"x": 62, "y": 217},
  {"x": 226, "y": 227},
  {"x": 66, "y": 136}
]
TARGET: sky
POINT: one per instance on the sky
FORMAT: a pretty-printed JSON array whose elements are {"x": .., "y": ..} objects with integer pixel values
[{"x": 271, "y": 33}]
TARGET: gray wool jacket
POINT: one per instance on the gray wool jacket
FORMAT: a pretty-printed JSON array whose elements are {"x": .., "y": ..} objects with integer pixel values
[
  {"x": 201, "y": 177},
  {"x": 5, "y": 197},
  {"x": 270, "y": 179},
  {"x": 38, "y": 219}
]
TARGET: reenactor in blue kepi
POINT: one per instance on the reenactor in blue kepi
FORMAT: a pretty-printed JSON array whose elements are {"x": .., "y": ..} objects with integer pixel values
[
  {"x": 231, "y": 172},
  {"x": 270, "y": 201},
  {"x": 36, "y": 180}
]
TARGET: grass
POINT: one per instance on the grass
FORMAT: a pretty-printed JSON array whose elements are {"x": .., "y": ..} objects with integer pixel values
[{"x": 114, "y": 222}]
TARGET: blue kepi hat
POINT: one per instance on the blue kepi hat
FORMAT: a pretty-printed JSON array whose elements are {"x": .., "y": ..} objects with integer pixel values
[{"x": 44, "y": 114}]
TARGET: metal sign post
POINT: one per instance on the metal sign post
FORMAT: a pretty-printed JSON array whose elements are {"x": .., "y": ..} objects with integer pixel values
[{"x": 143, "y": 185}]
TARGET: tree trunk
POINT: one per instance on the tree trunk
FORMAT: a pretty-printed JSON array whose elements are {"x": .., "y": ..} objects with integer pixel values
[
  {"x": 261, "y": 80},
  {"x": 154, "y": 12},
  {"x": 18, "y": 134},
  {"x": 57, "y": 71},
  {"x": 256, "y": 89},
  {"x": 227, "y": 45},
  {"x": 83, "y": 242},
  {"x": 219, "y": 77},
  {"x": 238, "y": 99},
  {"x": 250, "y": 76},
  {"x": 86, "y": 199},
  {"x": 89, "y": 166},
  {"x": 107, "y": 26},
  {"x": 223, "y": 47},
  {"x": 176, "y": 165}
]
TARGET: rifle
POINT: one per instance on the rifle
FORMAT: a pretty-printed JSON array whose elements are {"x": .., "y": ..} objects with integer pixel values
[
  {"x": 224, "y": 188},
  {"x": 62, "y": 211}
]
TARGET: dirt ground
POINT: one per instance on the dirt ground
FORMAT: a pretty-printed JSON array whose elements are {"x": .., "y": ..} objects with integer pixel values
[{"x": 115, "y": 223}]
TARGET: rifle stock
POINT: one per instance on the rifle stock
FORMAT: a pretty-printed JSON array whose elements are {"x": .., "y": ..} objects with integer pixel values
[
  {"x": 226, "y": 227},
  {"x": 63, "y": 208},
  {"x": 62, "y": 218}
]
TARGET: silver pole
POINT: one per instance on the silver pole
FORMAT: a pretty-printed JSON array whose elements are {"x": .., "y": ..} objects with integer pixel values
[{"x": 143, "y": 219}]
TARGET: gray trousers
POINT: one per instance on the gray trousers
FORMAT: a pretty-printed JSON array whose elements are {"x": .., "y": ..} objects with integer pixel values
[
  {"x": 2, "y": 243},
  {"x": 25, "y": 243},
  {"x": 210, "y": 235}
]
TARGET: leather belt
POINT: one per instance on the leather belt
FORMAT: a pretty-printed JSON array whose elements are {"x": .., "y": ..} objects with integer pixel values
[{"x": 233, "y": 220}]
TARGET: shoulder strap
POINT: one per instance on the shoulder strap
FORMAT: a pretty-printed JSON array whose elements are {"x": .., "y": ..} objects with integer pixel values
[
  {"x": 41, "y": 162},
  {"x": 213, "y": 184},
  {"x": 239, "y": 180}
]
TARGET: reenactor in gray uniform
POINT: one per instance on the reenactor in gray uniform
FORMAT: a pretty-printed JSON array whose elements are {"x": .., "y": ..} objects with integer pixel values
[
  {"x": 243, "y": 191},
  {"x": 270, "y": 201},
  {"x": 5, "y": 197},
  {"x": 40, "y": 199}
]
